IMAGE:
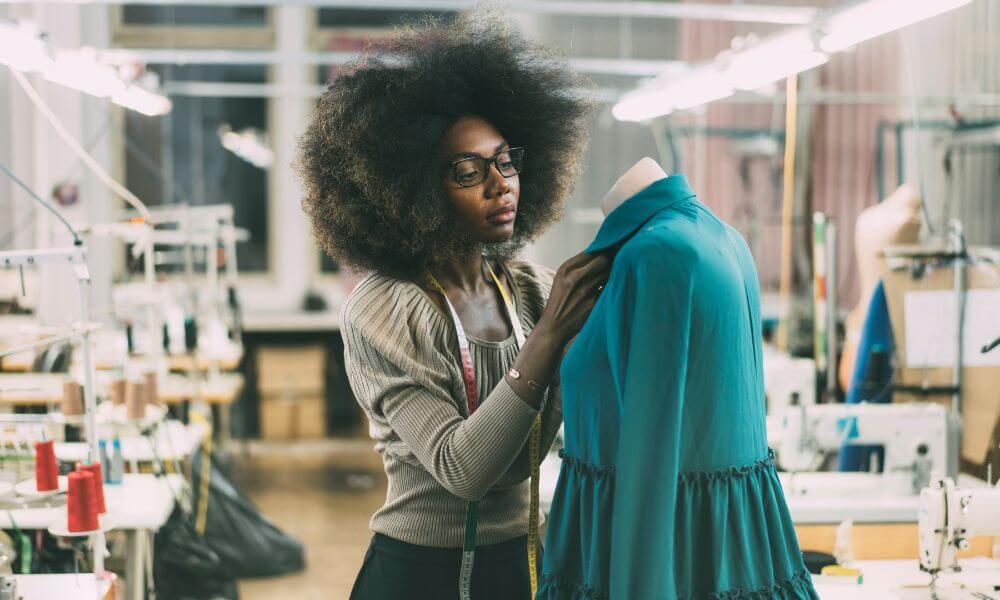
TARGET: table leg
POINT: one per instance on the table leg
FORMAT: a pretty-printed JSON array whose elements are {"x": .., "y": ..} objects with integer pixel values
[
  {"x": 223, "y": 446},
  {"x": 135, "y": 564}
]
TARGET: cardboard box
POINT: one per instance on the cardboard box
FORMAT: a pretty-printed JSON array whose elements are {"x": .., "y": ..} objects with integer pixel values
[
  {"x": 932, "y": 367},
  {"x": 292, "y": 417},
  {"x": 299, "y": 369}
]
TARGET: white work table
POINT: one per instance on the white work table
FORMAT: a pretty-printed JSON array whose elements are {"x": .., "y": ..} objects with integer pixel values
[
  {"x": 892, "y": 579},
  {"x": 139, "y": 506},
  {"x": 78, "y": 586},
  {"x": 174, "y": 441}
]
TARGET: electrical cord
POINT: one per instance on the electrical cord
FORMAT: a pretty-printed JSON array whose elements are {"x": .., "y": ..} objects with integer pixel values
[
  {"x": 915, "y": 116},
  {"x": 48, "y": 205},
  {"x": 74, "y": 145}
]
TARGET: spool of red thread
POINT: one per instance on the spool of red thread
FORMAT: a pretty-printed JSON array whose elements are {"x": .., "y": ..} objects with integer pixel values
[
  {"x": 95, "y": 470},
  {"x": 46, "y": 469},
  {"x": 81, "y": 504}
]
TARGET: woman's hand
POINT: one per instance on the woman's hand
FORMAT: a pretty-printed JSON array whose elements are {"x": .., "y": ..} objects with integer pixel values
[{"x": 575, "y": 290}]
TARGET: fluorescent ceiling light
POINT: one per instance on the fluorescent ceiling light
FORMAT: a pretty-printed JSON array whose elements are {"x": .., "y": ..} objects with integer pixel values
[
  {"x": 143, "y": 101},
  {"x": 249, "y": 144},
  {"x": 774, "y": 59},
  {"x": 701, "y": 86},
  {"x": 22, "y": 47},
  {"x": 877, "y": 17},
  {"x": 79, "y": 70}
]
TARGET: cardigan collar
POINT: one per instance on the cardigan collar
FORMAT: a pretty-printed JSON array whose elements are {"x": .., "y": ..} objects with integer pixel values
[{"x": 638, "y": 208}]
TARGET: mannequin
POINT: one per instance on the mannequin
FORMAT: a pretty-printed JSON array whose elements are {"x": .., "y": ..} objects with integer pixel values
[
  {"x": 659, "y": 494},
  {"x": 642, "y": 173},
  {"x": 895, "y": 220}
]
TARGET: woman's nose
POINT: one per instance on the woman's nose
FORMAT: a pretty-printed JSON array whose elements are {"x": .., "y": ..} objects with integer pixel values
[{"x": 496, "y": 184}]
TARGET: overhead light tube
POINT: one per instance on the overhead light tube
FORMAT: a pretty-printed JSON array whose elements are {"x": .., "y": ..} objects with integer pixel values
[{"x": 871, "y": 19}]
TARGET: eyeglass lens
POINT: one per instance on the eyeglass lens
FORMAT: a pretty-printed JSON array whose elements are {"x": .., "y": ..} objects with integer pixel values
[{"x": 473, "y": 171}]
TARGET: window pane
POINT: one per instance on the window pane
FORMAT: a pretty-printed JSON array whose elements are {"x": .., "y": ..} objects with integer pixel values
[
  {"x": 203, "y": 16},
  {"x": 180, "y": 158},
  {"x": 357, "y": 17},
  {"x": 326, "y": 265}
]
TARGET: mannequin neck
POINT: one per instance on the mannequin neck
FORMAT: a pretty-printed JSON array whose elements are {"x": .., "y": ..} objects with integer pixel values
[{"x": 637, "y": 178}]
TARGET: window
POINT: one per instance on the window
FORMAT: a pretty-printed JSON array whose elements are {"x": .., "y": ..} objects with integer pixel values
[
  {"x": 187, "y": 26},
  {"x": 180, "y": 157}
]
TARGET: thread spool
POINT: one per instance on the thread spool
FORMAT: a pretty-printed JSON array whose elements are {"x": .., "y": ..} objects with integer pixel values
[
  {"x": 152, "y": 391},
  {"x": 72, "y": 402},
  {"x": 118, "y": 392},
  {"x": 135, "y": 400},
  {"x": 95, "y": 470},
  {"x": 81, "y": 503},
  {"x": 46, "y": 469}
]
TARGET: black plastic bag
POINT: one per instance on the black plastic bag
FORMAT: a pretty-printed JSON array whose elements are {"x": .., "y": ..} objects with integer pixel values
[
  {"x": 247, "y": 543},
  {"x": 185, "y": 567}
]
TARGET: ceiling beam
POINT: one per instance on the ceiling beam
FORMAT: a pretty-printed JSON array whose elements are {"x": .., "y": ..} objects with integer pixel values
[
  {"x": 744, "y": 13},
  {"x": 594, "y": 66}
]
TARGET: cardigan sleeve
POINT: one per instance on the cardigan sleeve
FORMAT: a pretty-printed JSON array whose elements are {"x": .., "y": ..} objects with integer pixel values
[{"x": 394, "y": 375}]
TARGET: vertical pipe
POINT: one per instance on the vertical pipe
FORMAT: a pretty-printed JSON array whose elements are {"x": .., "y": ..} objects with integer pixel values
[
  {"x": 788, "y": 199},
  {"x": 89, "y": 398},
  {"x": 831, "y": 311},
  {"x": 958, "y": 245},
  {"x": 820, "y": 278}
]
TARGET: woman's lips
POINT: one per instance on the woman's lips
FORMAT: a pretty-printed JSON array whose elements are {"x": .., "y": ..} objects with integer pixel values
[{"x": 504, "y": 215}]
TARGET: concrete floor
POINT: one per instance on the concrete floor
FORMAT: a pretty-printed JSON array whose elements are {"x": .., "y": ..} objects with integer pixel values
[{"x": 323, "y": 493}]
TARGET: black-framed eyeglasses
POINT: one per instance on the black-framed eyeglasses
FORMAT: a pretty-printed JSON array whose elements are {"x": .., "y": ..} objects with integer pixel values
[{"x": 470, "y": 172}]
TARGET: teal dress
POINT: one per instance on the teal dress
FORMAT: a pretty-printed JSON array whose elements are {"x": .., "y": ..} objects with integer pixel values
[{"x": 667, "y": 488}]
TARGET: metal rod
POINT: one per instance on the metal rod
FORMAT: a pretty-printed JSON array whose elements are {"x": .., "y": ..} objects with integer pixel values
[
  {"x": 741, "y": 13},
  {"x": 831, "y": 310},
  {"x": 98, "y": 545},
  {"x": 958, "y": 244},
  {"x": 43, "y": 343}
]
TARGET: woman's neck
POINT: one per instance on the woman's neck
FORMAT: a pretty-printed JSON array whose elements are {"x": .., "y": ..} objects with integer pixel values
[{"x": 464, "y": 273}]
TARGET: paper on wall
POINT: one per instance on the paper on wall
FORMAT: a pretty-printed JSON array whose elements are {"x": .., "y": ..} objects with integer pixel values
[{"x": 930, "y": 322}]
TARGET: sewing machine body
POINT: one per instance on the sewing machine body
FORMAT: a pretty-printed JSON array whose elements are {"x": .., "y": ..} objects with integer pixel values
[{"x": 919, "y": 439}]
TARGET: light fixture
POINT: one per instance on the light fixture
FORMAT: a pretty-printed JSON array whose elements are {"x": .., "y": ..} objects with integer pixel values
[
  {"x": 773, "y": 60},
  {"x": 700, "y": 86},
  {"x": 79, "y": 70},
  {"x": 778, "y": 57},
  {"x": 24, "y": 48},
  {"x": 248, "y": 144},
  {"x": 143, "y": 101},
  {"x": 871, "y": 19}
]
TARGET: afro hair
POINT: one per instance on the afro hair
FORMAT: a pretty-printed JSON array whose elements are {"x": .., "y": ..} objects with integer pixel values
[{"x": 369, "y": 159}]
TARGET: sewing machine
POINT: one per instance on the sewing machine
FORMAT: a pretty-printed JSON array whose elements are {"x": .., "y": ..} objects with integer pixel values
[
  {"x": 948, "y": 518},
  {"x": 919, "y": 439}
]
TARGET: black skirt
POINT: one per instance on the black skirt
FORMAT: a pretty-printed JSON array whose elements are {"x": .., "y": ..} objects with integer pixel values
[{"x": 395, "y": 569}]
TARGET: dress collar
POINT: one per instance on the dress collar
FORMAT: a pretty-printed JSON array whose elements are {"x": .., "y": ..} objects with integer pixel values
[{"x": 639, "y": 208}]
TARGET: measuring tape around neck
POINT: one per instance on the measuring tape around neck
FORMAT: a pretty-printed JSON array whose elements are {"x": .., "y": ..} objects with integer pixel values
[{"x": 534, "y": 442}]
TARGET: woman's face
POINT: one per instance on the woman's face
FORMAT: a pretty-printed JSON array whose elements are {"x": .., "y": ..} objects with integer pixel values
[{"x": 488, "y": 209}]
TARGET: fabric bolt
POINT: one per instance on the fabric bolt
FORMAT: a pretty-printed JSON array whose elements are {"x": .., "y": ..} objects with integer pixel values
[
  {"x": 668, "y": 489},
  {"x": 401, "y": 353},
  {"x": 391, "y": 566},
  {"x": 876, "y": 333}
]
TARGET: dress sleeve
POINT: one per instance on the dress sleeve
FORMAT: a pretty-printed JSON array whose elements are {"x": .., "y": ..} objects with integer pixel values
[
  {"x": 410, "y": 387},
  {"x": 648, "y": 350}
]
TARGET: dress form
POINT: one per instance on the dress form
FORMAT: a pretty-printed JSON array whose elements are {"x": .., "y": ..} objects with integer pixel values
[
  {"x": 639, "y": 176},
  {"x": 895, "y": 220}
]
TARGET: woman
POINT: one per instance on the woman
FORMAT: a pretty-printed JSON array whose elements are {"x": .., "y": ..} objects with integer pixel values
[{"x": 430, "y": 161}]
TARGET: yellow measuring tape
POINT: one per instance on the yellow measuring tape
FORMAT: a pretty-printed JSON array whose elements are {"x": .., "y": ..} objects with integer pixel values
[{"x": 534, "y": 445}]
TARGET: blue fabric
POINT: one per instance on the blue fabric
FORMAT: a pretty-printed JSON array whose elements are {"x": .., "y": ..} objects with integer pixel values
[
  {"x": 875, "y": 333},
  {"x": 667, "y": 488}
]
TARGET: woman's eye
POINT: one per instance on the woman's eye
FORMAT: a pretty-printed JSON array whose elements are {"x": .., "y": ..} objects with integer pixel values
[{"x": 506, "y": 165}]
